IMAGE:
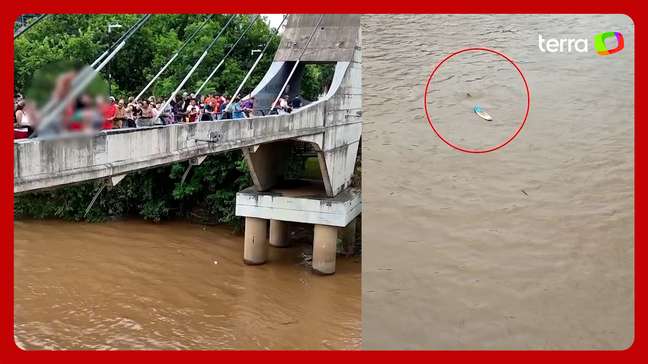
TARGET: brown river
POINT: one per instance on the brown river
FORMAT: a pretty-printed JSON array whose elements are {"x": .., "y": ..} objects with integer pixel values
[
  {"x": 527, "y": 247},
  {"x": 139, "y": 285}
]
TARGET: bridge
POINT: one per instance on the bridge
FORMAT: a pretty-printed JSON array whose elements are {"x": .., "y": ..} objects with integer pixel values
[{"x": 330, "y": 127}]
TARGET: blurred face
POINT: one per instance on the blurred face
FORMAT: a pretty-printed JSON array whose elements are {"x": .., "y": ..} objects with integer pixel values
[
  {"x": 121, "y": 103},
  {"x": 86, "y": 100}
]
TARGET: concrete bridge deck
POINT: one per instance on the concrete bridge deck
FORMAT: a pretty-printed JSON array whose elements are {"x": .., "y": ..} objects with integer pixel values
[{"x": 44, "y": 163}]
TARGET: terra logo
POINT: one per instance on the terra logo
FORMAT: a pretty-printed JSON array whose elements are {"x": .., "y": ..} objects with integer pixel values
[
  {"x": 601, "y": 48},
  {"x": 553, "y": 45}
]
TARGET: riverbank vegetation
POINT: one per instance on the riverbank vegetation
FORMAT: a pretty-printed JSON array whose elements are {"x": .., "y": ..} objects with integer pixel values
[{"x": 207, "y": 194}]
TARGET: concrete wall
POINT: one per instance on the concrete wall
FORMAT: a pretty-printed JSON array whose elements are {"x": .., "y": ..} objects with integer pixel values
[
  {"x": 49, "y": 162},
  {"x": 338, "y": 144},
  {"x": 343, "y": 125},
  {"x": 334, "y": 41},
  {"x": 336, "y": 211}
]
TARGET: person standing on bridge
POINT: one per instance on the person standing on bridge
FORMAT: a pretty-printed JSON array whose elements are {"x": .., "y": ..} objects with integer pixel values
[
  {"x": 186, "y": 100},
  {"x": 19, "y": 114},
  {"x": 166, "y": 115},
  {"x": 248, "y": 106},
  {"x": 282, "y": 106},
  {"x": 23, "y": 118},
  {"x": 210, "y": 103},
  {"x": 226, "y": 109},
  {"x": 176, "y": 109},
  {"x": 120, "y": 115},
  {"x": 296, "y": 103},
  {"x": 192, "y": 111},
  {"x": 237, "y": 111},
  {"x": 131, "y": 110},
  {"x": 146, "y": 116},
  {"x": 218, "y": 108},
  {"x": 109, "y": 111}
]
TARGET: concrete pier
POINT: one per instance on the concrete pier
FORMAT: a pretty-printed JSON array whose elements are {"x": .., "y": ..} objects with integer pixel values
[
  {"x": 303, "y": 202},
  {"x": 278, "y": 234},
  {"x": 324, "y": 249},
  {"x": 255, "y": 249}
]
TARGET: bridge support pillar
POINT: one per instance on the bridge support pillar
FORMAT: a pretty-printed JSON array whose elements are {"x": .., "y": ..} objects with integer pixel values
[
  {"x": 265, "y": 162},
  {"x": 324, "y": 249},
  {"x": 255, "y": 249},
  {"x": 278, "y": 234},
  {"x": 305, "y": 203}
]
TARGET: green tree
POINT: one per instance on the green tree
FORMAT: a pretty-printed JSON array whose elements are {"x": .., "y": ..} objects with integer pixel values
[{"x": 75, "y": 40}]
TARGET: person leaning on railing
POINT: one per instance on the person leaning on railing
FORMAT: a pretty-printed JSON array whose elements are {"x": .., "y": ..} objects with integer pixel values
[
  {"x": 120, "y": 115},
  {"x": 146, "y": 114}
]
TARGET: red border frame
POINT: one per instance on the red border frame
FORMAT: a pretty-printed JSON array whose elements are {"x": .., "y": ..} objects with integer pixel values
[
  {"x": 489, "y": 149},
  {"x": 9, "y": 353}
]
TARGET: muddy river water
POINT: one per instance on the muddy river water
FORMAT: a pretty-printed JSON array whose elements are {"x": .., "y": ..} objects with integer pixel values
[
  {"x": 531, "y": 246},
  {"x": 138, "y": 285}
]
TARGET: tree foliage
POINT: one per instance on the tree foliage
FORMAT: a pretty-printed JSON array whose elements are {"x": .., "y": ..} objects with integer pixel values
[
  {"x": 76, "y": 40},
  {"x": 316, "y": 79},
  {"x": 155, "y": 194}
]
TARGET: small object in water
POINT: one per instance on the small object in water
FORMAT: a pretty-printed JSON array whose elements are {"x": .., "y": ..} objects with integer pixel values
[
  {"x": 468, "y": 94},
  {"x": 482, "y": 114},
  {"x": 524, "y": 192}
]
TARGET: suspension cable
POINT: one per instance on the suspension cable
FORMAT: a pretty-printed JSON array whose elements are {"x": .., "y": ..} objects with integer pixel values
[
  {"x": 80, "y": 83},
  {"x": 26, "y": 27},
  {"x": 191, "y": 71},
  {"x": 127, "y": 34},
  {"x": 174, "y": 56},
  {"x": 247, "y": 76},
  {"x": 85, "y": 72},
  {"x": 283, "y": 88},
  {"x": 228, "y": 53}
]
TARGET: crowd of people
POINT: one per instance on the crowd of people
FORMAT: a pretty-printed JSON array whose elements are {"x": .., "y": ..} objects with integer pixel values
[{"x": 101, "y": 113}]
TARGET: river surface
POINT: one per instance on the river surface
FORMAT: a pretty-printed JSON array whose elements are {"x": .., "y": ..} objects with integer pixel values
[
  {"x": 527, "y": 247},
  {"x": 139, "y": 285}
]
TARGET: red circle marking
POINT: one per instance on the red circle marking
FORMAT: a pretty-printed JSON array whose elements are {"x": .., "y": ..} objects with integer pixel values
[{"x": 466, "y": 150}]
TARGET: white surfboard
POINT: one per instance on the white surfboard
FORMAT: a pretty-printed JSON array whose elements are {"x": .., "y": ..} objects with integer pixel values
[{"x": 482, "y": 114}]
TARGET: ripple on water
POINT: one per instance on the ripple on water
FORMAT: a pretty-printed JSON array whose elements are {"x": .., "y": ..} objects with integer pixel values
[{"x": 137, "y": 285}]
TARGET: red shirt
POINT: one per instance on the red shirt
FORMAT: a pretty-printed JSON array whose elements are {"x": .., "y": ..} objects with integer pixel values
[
  {"x": 109, "y": 112},
  {"x": 211, "y": 101}
]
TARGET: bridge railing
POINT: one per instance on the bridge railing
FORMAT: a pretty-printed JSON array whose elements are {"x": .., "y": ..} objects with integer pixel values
[{"x": 48, "y": 162}]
